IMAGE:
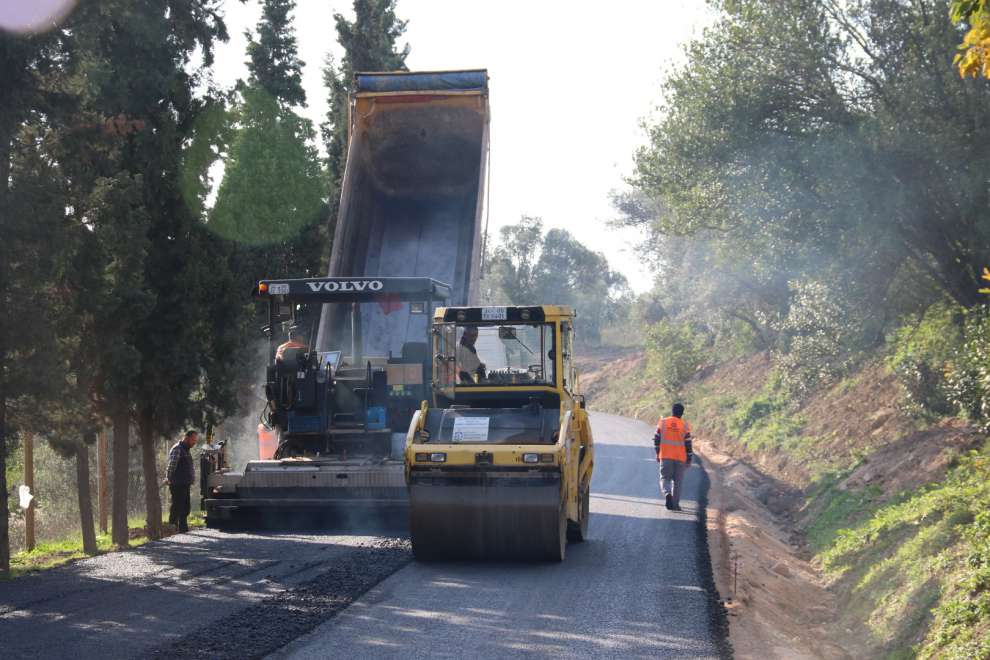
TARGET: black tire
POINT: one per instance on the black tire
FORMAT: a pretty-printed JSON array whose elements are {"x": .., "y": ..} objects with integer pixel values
[
  {"x": 556, "y": 546},
  {"x": 578, "y": 531}
]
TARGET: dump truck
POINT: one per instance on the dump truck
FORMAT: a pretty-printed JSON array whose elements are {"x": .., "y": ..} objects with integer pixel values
[
  {"x": 408, "y": 236},
  {"x": 499, "y": 466}
]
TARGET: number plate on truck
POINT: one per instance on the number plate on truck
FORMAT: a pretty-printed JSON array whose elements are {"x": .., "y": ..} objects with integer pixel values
[{"x": 493, "y": 313}]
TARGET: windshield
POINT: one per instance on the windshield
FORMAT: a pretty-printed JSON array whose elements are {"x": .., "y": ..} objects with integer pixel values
[{"x": 505, "y": 354}]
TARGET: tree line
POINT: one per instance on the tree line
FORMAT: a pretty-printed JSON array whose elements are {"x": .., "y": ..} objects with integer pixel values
[
  {"x": 125, "y": 271},
  {"x": 815, "y": 179},
  {"x": 530, "y": 266}
]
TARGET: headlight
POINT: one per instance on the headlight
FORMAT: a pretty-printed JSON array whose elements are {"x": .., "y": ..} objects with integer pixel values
[
  {"x": 524, "y": 315},
  {"x": 546, "y": 458},
  {"x": 438, "y": 457},
  {"x": 531, "y": 458}
]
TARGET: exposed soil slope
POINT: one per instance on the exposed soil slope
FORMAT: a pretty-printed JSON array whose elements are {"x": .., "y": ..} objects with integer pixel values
[{"x": 788, "y": 479}]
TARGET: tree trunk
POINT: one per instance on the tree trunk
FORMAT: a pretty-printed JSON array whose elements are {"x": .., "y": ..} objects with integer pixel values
[
  {"x": 4, "y": 513},
  {"x": 121, "y": 438},
  {"x": 152, "y": 499},
  {"x": 101, "y": 478},
  {"x": 85, "y": 498},
  {"x": 29, "y": 482},
  {"x": 4, "y": 338}
]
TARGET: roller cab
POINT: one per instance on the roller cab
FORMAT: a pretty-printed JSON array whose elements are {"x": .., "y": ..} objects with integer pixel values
[{"x": 500, "y": 465}]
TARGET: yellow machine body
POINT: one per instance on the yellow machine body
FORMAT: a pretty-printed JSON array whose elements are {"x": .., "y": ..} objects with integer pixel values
[{"x": 499, "y": 464}]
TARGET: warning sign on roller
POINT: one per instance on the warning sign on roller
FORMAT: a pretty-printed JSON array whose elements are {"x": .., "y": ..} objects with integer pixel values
[{"x": 471, "y": 429}]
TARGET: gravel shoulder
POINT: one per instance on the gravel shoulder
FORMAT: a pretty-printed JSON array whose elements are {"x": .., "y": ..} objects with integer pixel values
[{"x": 202, "y": 594}]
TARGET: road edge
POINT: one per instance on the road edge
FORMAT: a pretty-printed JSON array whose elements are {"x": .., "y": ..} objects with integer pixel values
[{"x": 718, "y": 616}]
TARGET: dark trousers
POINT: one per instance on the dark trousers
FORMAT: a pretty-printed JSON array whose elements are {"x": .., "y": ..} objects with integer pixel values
[
  {"x": 672, "y": 479},
  {"x": 179, "y": 510}
]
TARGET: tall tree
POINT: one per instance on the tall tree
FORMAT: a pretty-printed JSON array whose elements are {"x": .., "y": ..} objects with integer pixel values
[
  {"x": 529, "y": 267},
  {"x": 137, "y": 77},
  {"x": 816, "y": 137},
  {"x": 23, "y": 63},
  {"x": 273, "y": 58},
  {"x": 370, "y": 43},
  {"x": 270, "y": 203}
]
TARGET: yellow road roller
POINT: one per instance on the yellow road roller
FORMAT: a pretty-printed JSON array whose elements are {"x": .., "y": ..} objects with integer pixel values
[{"x": 499, "y": 466}]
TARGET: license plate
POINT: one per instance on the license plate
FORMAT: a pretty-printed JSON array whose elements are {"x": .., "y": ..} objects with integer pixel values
[
  {"x": 278, "y": 289},
  {"x": 493, "y": 313}
]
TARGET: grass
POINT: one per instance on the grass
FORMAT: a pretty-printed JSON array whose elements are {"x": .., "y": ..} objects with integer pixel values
[
  {"x": 839, "y": 510},
  {"x": 914, "y": 570},
  {"x": 51, "y": 554}
]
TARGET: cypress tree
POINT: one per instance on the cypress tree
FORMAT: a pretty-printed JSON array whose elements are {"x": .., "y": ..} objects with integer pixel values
[{"x": 370, "y": 43}]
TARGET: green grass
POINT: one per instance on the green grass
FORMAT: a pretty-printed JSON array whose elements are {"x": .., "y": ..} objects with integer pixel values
[
  {"x": 839, "y": 510},
  {"x": 914, "y": 570},
  {"x": 51, "y": 554}
]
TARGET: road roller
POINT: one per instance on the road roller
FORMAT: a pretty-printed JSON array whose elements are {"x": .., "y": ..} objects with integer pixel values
[{"x": 498, "y": 464}]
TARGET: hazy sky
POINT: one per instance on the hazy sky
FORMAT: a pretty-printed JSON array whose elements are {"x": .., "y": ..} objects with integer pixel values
[{"x": 570, "y": 82}]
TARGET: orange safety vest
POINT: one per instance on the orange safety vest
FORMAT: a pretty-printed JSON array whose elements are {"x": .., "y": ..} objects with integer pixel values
[
  {"x": 673, "y": 431},
  {"x": 292, "y": 343}
]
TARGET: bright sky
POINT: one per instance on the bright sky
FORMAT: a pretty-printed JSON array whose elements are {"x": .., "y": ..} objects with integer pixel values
[{"x": 570, "y": 82}]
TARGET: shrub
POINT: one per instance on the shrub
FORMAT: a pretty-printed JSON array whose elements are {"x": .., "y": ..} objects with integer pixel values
[
  {"x": 675, "y": 352},
  {"x": 968, "y": 375},
  {"x": 921, "y": 355},
  {"x": 819, "y": 339}
]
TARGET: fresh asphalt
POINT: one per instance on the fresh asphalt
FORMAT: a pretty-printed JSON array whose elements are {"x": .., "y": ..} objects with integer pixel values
[{"x": 640, "y": 586}]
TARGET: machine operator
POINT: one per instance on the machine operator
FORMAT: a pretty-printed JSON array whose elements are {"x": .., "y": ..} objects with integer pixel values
[
  {"x": 291, "y": 348},
  {"x": 470, "y": 368}
]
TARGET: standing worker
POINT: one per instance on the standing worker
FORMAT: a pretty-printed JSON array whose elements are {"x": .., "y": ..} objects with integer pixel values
[
  {"x": 673, "y": 445},
  {"x": 179, "y": 477}
]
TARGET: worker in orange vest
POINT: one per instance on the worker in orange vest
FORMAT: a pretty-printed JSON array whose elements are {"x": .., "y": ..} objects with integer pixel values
[
  {"x": 295, "y": 345},
  {"x": 674, "y": 453}
]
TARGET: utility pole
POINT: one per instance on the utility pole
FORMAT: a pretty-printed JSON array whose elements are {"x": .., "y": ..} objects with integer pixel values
[
  {"x": 29, "y": 482},
  {"x": 101, "y": 478}
]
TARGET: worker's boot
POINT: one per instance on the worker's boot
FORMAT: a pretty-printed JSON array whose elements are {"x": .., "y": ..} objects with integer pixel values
[{"x": 670, "y": 502}]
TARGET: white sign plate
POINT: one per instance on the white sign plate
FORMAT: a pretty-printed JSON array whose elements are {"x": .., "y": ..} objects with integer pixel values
[
  {"x": 493, "y": 313},
  {"x": 278, "y": 289},
  {"x": 471, "y": 429}
]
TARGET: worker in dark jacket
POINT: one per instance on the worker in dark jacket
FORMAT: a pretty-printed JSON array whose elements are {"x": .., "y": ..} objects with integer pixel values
[
  {"x": 179, "y": 476},
  {"x": 672, "y": 443}
]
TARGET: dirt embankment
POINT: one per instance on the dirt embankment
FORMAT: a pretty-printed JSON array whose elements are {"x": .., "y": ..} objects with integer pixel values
[{"x": 761, "y": 506}]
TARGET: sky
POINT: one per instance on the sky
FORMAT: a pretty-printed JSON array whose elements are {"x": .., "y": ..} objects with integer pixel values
[{"x": 569, "y": 85}]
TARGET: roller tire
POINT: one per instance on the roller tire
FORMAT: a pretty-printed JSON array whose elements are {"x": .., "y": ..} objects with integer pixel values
[
  {"x": 578, "y": 531},
  {"x": 556, "y": 542}
]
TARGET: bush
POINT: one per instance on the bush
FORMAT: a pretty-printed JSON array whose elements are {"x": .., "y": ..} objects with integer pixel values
[
  {"x": 675, "y": 352},
  {"x": 968, "y": 375},
  {"x": 820, "y": 337},
  {"x": 921, "y": 355}
]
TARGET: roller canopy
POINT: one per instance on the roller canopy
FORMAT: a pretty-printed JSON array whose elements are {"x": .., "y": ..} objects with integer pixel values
[
  {"x": 354, "y": 289},
  {"x": 438, "y": 81}
]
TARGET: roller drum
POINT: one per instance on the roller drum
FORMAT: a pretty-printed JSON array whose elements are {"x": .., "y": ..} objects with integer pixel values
[{"x": 487, "y": 514}]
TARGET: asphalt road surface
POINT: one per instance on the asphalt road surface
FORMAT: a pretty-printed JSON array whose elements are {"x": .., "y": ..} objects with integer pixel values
[{"x": 639, "y": 587}]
